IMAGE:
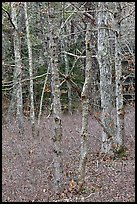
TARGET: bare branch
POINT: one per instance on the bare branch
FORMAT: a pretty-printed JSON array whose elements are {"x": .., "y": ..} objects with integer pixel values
[
  {"x": 127, "y": 16},
  {"x": 89, "y": 16},
  {"x": 73, "y": 84},
  {"x": 66, "y": 21},
  {"x": 24, "y": 80},
  {"x": 9, "y": 17},
  {"x": 104, "y": 128},
  {"x": 73, "y": 54}
]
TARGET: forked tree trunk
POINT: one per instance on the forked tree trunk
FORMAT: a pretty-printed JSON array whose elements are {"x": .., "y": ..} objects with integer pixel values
[
  {"x": 55, "y": 85},
  {"x": 85, "y": 107}
]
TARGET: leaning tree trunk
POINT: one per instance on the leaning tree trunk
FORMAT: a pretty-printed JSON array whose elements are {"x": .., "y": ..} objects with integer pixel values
[
  {"x": 119, "y": 139},
  {"x": 105, "y": 77},
  {"x": 18, "y": 67},
  {"x": 41, "y": 100},
  {"x": 85, "y": 107},
  {"x": 32, "y": 114},
  {"x": 55, "y": 85}
]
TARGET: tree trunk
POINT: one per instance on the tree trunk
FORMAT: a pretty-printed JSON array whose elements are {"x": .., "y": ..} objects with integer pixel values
[
  {"x": 18, "y": 68},
  {"x": 64, "y": 46},
  {"x": 55, "y": 85},
  {"x": 119, "y": 139},
  {"x": 105, "y": 76},
  {"x": 45, "y": 50},
  {"x": 41, "y": 101},
  {"x": 85, "y": 107},
  {"x": 32, "y": 114}
]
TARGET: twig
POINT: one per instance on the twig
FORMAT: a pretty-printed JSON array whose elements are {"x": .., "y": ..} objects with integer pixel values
[
  {"x": 9, "y": 17},
  {"x": 104, "y": 128},
  {"x": 73, "y": 54},
  {"x": 39, "y": 76},
  {"x": 88, "y": 196},
  {"x": 127, "y": 16},
  {"x": 73, "y": 84},
  {"x": 66, "y": 21}
]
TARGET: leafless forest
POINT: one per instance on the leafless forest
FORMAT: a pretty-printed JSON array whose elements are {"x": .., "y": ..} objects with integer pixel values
[
  {"x": 68, "y": 102},
  {"x": 28, "y": 164}
]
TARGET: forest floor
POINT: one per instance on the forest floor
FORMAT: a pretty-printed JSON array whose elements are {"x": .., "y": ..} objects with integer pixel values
[{"x": 27, "y": 164}]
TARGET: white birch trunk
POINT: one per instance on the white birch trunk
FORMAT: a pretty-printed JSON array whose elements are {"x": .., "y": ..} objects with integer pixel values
[
  {"x": 85, "y": 108},
  {"x": 55, "y": 85},
  {"x": 32, "y": 113},
  {"x": 105, "y": 76},
  {"x": 18, "y": 68},
  {"x": 119, "y": 139}
]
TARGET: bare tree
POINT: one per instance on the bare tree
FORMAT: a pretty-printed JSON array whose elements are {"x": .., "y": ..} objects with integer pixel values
[
  {"x": 55, "y": 85},
  {"x": 32, "y": 113},
  {"x": 45, "y": 50},
  {"x": 18, "y": 66},
  {"x": 85, "y": 108},
  {"x": 105, "y": 76},
  {"x": 64, "y": 46},
  {"x": 119, "y": 139}
]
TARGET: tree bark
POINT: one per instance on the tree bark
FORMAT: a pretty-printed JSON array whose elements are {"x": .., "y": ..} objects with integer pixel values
[
  {"x": 18, "y": 68},
  {"x": 32, "y": 113},
  {"x": 105, "y": 76},
  {"x": 64, "y": 46},
  {"x": 45, "y": 50},
  {"x": 55, "y": 85},
  {"x": 85, "y": 107},
  {"x": 119, "y": 139}
]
